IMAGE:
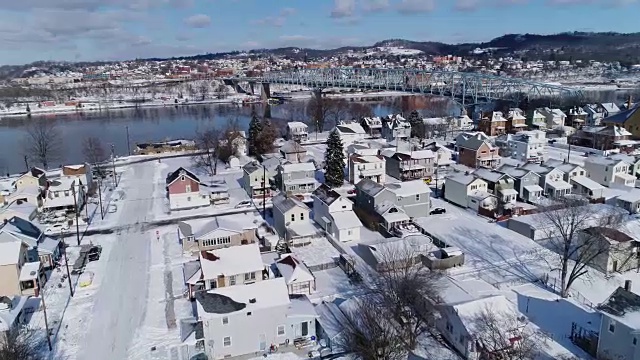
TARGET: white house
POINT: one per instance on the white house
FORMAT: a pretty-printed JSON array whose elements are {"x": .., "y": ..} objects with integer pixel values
[
  {"x": 396, "y": 129},
  {"x": 458, "y": 323},
  {"x": 367, "y": 167},
  {"x": 463, "y": 122},
  {"x": 82, "y": 171},
  {"x": 361, "y": 149},
  {"x": 255, "y": 180},
  {"x": 299, "y": 279},
  {"x": 554, "y": 118},
  {"x": 251, "y": 319},
  {"x": 292, "y": 221},
  {"x": 609, "y": 172},
  {"x": 297, "y": 178},
  {"x": 350, "y": 132},
  {"x": 538, "y": 120},
  {"x": 460, "y": 187},
  {"x": 334, "y": 214},
  {"x": 524, "y": 146},
  {"x": 64, "y": 193},
  {"x": 297, "y": 131},
  {"x": 372, "y": 125}
]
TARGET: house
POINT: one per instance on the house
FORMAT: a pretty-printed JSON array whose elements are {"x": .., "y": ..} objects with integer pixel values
[
  {"x": 239, "y": 144},
  {"x": 527, "y": 183},
  {"x": 604, "y": 138},
  {"x": 476, "y": 152},
  {"x": 516, "y": 121},
  {"x": 221, "y": 232},
  {"x": 618, "y": 337},
  {"x": 410, "y": 165},
  {"x": 586, "y": 187},
  {"x": 12, "y": 314},
  {"x": 17, "y": 276},
  {"x": 21, "y": 209},
  {"x": 594, "y": 116},
  {"x": 617, "y": 251},
  {"x": 396, "y": 253},
  {"x": 298, "y": 277},
  {"x": 183, "y": 190},
  {"x": 234, "y": 265},
  {"x": 628, "y": 119},
  {"x": 493, "y": 123},
  {"x": 33, "y": 178},
  {"x": 372, "y": 126},
  {"x": 466, "y": 135},
  {"x": 65, "y": 193},
  {"x": 499, "y": 184},
  {"x": 537, "y": 120},
  {"x": 457, "y": 188},
  {"x": 361, "y": 149},
  {"x": 370, "y": 167},
  {"x": 39, "y": 247},
  {"x": 525, "y": 146},
  {"x": 297, "y": 178},
  {"x": 292, "y": 221},
  {"x": 396, "y": 129},
  {"x": 31, "y": 194},
  {"x": 297, "y": 131},
  {"x": 414, "y": 197},
  {"x": 609, "y": 172},
  {"x": 255, "y": 318},
  {"x": 83, "y": 172},
  {"x": 629, "y": 201},
  {"x": 350, "y": 132},
  {"x": 554, "y": 118},
  {"x": 463, "y": 122},
  {"x": 551, "y": 180},
  {"x": 633, "y": 161},
  {"x": 459, "y": 326},
  {"x": 577, "y": 117},
  {"x": 292, "y": 151},
  {"x": 255, "y": 180},
  {"x": 443, "y": 156},
  {"x": 334, "y": 214}
]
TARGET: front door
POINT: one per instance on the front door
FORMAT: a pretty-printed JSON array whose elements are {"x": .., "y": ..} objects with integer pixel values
[
  {"x": 305, "y": 328},
  {"x": 263, "y": 342}
]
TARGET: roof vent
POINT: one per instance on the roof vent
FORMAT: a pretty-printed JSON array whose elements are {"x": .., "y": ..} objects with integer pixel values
[{"x": 252, "y": 300}]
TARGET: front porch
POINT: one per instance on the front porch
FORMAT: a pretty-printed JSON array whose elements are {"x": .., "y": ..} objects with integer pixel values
[{"x": 32, "y": 278}]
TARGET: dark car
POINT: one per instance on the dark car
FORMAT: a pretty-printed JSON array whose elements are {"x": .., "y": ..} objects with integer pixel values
[
  {"x": 438, "y": 211},
  {"x": 94, "y": 253}
]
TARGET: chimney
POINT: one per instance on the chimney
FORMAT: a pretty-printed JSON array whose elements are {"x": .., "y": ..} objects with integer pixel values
[
  {"x": 629, "y": 103},
  {"x": 627, "y": 285}
]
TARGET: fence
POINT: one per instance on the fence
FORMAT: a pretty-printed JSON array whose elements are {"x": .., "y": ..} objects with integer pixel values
[{"x": 554, "y": 284}]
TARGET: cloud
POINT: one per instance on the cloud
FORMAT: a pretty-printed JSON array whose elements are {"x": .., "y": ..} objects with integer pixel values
[
  {"x": 198, "y": 21},
  {"x": 288, "y": 11},
  {"x": 416, "y": 6},
  {"x": 343, "y": 8},
  {"x": 467, "y": 5},
  {"x": 276, "y": 21},
  {"x": 375, "y": 5}
]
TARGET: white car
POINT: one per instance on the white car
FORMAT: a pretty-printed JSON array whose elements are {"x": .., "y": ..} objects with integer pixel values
[
  {"x": 112, "y": 208},
  {"x": 244, "y": 204},
  {"x": 56, "y": 228}
]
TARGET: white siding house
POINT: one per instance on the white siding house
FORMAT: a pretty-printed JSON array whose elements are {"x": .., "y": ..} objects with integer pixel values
[
  {"x": 458, "y": 188},
  {"x": 249, "y": 319},
  {"x": 350, "y": 133},
  {"x": 334, "y": 214},
  {"x": 609, "y": 172},
  {"x": 370, "y": 167}
]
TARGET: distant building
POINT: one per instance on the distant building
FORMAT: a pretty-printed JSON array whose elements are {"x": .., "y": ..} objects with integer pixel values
[{"x": 297, "y": 131}]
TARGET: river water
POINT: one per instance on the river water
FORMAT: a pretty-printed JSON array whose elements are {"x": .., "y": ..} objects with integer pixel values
[{"x": 143, "y": 124}]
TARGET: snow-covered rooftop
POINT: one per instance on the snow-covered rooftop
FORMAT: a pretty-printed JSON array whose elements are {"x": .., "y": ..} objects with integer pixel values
[
  {"x": 234, "y": 260},
  {"x": 259, "y": 295},
  {"x": 409, "y": 188}
]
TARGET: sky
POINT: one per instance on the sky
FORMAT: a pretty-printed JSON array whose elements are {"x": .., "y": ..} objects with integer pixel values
[{"x": 87, "y": 30}]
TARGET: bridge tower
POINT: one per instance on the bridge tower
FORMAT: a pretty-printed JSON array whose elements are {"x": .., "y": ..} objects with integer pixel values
[{"x": 266, "y": 91}]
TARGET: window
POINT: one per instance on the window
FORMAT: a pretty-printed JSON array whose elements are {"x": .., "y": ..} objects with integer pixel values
[
  {"x": 249, "y": 313},
  {"x": 280, "y": 330},
  {"x": 293, "y": 217},
  {"x": 225, "y": 320},
  {"x": 182, "y": 178},
  {"x": 249, "y": 276},
  {"x": 348, "y": 232},
  {"x": 187, "y": 188},
  {"x": 612, "y": 326},
  {"x": 226, "y": 342},
  {"x": 232, "y": 280},
  {"x": 301, "y": 216},
  {"x": 417, "y": 197},
  {"x": 213, "y": 284},
  {"x": 635, "y": 341}
]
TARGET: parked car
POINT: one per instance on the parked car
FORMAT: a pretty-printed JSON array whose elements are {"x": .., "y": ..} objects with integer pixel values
[
  {"x": 94, "y": 253},
  {"x": 244, "y": 204},
  {"x": 438, "y": 211},
  {"x": 112, "y": 208},
  {"x": 56, "y": 228}
]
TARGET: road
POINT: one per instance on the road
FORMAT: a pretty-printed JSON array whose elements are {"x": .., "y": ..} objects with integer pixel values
[{"x": 121, "y": 300}]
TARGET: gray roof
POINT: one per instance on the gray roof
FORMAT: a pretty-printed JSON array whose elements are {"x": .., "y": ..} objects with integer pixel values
[
  {"x": 223, "y": 222},
  {"x": 622, "y": 303},
  {"x": 185, "y": 228},
  {"x": 217, "y": 303},
  {"x": 252, "y": 167},
  {"x": 489, "y": 175},
  {"x": 513, "y": 171},
  {"x": 285, "y": 203},
  {"x": 189, "y": 269},
  {"x": 369, "y": 187},
  {"x": 326, "y": 194},
  {"x": 537, "y": 168},
  {"x": 473, "y": 142},
  {"x": 462, "y": 178}
]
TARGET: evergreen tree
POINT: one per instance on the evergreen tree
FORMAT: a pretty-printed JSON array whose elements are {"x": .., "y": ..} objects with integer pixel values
[
  {"x": 255, "y": 128},
  {"x": 334, "y": 161},
  {"x": 417, "y": 125},
  {"x": 266, "y": 137}
]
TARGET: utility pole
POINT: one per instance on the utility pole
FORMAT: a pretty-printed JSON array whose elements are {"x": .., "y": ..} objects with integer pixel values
[
  {"x": 128, "y": 144},
  {"x": 44, "y": 309},
  {"x": 66, "y": 261},
  {"x": 113, "y": 164},
  {"x": 75, "y": 205},
  {"x": 264, "y": 191},
  {"x": 26, "y": 162},
  {"x": 100, "y": 199}
]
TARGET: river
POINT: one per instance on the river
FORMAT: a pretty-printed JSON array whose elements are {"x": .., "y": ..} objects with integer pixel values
[{"x": 143, "y": 125}]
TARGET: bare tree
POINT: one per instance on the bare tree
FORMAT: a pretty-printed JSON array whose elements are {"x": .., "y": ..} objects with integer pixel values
[
  {"x": 204, "y": 90},
  {"x": 94, "y": 153},
  {"x": 359, "y": 111},
  {"x": 295, "y": 111},
  {"x": 215, "y": 145},
  {"x": 337, "y": 110},
  {"x": 563, "y": 229},
  {"x": 318, "y": 111},
  {"x": 43, "y": 142},
  {"x": 22, "y": 344},
  {"x": 222, "y": 91},
  {"x": 502, "y": 334},
  {"x": 408, "y": 290},
  {"x": 369, "y": 334},
  {"x": 191, "y": 90}
]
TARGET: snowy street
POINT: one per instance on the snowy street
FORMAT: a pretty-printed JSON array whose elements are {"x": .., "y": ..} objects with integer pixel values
[{"x": 121, "y": 299}]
